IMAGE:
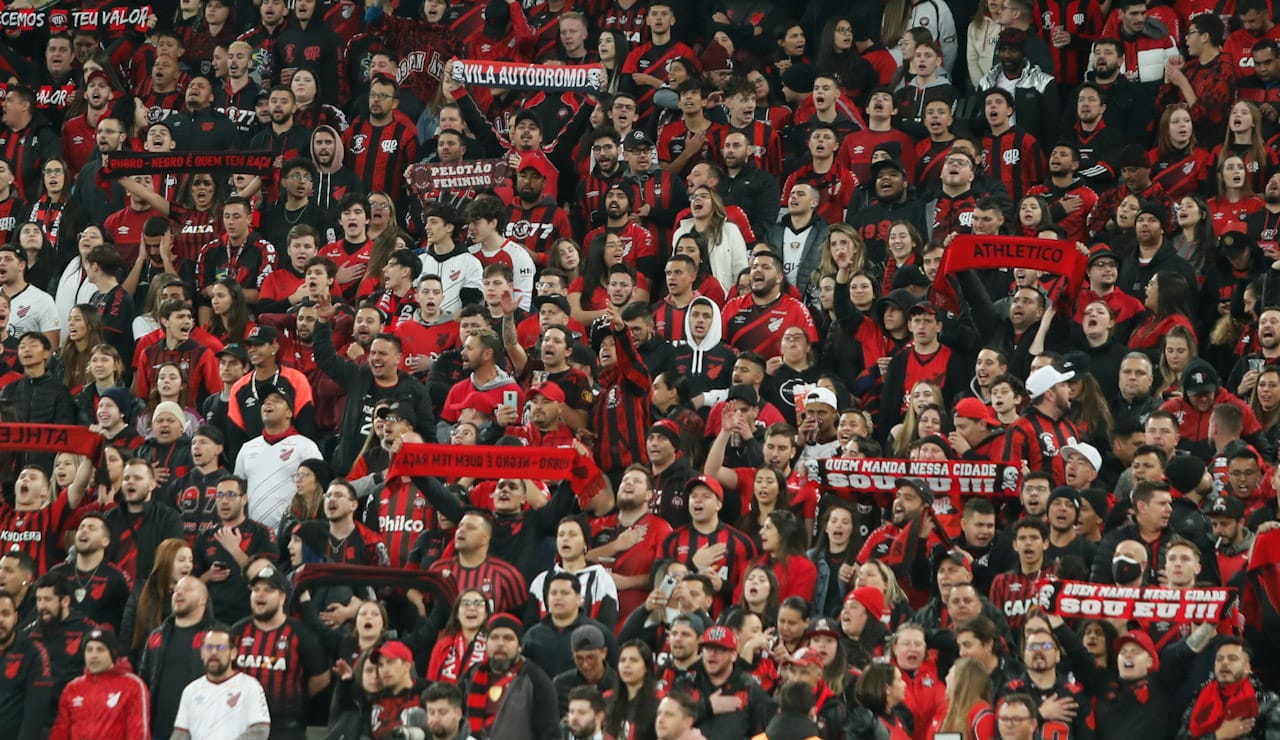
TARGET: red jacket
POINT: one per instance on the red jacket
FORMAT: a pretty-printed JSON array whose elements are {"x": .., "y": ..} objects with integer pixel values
[
  {"x": 111, "y": 705},
  {"x": 1193, "y": 425}
]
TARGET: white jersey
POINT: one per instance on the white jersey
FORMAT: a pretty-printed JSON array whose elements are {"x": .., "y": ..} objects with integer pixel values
[
  {"x": 73, "y": 287},
  {"x": 595, "y": 584},
  {"x": 222, "y": 711},
  {"x": 458, "y": 270},
  {"x": 269, "y": 468},
  {"x": 33, "y": 309},
  {"x": 516, "y": 257}
]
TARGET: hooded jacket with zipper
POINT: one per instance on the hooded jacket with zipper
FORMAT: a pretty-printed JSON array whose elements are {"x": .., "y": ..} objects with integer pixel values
[
  {"x": 707, "y": 364},
  {"x": 39, "y": 400},
  {"x": 815, "y": 235},
  {"x": 111, "y": 705},
  {"x": 334, "y": 181}
]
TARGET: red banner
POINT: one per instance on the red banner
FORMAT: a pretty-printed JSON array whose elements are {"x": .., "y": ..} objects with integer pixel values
[
  {"x": 50, "y": 438},
  {"x": 117, "y": 164},
  {"x": 581, "y": 78},
  {"x": 1081, "y": 599},
  {"x": 58, "y": 20},
  {"x": 973, "y": 252},
  {"x": 457, "y": 461},
  {"x": 847, "y": 476}
]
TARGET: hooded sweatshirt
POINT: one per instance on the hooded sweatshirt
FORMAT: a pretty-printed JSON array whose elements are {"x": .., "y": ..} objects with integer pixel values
[
  {"x": 334, "y": 181},
  {"x": 484, "y": 397},
  {"x": 708, "y": 363}
]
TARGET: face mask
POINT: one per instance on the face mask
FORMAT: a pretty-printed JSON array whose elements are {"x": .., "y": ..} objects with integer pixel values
[{"x": 1125, "y": 569}]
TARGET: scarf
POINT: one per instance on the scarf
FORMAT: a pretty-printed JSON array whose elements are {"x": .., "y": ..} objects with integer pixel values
[
  {"x": 483, "y": 695},
  {"x": 1219, "y": 702},
  {"x": 461, "y": 655}
]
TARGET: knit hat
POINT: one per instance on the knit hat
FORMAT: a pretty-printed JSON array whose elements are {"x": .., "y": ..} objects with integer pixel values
[
  {"x": 168, "y": 407},
  {"x": 122, "y": 399},
  {"x": 716, "y": 59},
  {"x": 1155, "y": 208},
  {"x": 1066, "y": 492},
  {"x": 871, "y": 598},
  {"x": 668, "y": 429},
  {"x": 320, "y": 469},
  {"x": 1184, "y": 473},
  {"x": 211, "y": 433},
  {"x": 1097, "y": 499},
  {"x": 106, "y": 636},
  {"x": 503, "y": 619}
]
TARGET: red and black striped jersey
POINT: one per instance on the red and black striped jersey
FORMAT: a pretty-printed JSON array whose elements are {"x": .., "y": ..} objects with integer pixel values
[
  {"x": 739, "y": 552},
  {"x": 379, "y": 154},
  {"x": 1039, "y": 440},
  {"x": 631, "y": 21},
  {"x": 836, "y": 186},
  {"x": 669, "y": 320},
  {"x": 1075, "y": 223},
  {"x": 673, "y": 139},
  {"x": 953, "y": 214},
  {"x": 1079, "y": 18},
  {"x": 762, "y": 141},
  {"x": 650, "y": 59},
  {"x": 758, "y": 328},
  {"x": 12, "y": 210},
  {"x": 498, "y": 580},
  {"x": 929, "y": 157},
  {"x": 401, "y": 513},
  {"x": 1014, "y": 592},
  {"x": 537, "y": 227},
  {"x": 856, "y": 149},
  {"x": 192, "y": 230},
  {"x": 1180, "y": 173},
  {"x": 591, "y": 192},
  {"x": 197, "y": 361},
  {"x": 1014, "y": 158},
  {"x": 247, "y": 264},
  {"x": 282, "y": 659},
  {"x": 620, "y": 416},
  {"x": 639, "y": 248},
  {"x": 1263, "y": 226},
  {"x": 35, "y": 532}
]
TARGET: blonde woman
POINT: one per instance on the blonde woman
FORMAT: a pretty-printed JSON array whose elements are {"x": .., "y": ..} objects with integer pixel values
[{"x": 726, "y": 247}]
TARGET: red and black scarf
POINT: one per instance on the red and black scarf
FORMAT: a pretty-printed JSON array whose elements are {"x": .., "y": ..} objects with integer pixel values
[
  {"x": 485, "y": 693},
  {"x": 1218, "y": 702}
]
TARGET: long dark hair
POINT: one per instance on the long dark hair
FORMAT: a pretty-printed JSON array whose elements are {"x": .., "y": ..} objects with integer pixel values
[
  {"x": 791, "y": 540},
  {"x": 822, "y": 545},
  {"x": 638, "y": 713},
  {"x": 1173, "y": 296}
]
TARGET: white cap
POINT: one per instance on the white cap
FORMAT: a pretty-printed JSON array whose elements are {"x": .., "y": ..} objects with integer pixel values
[
  {"x": 821, "y": 395},
  {"x": 1089, "y": 452},
  {"x": 1045, "y": 378}
]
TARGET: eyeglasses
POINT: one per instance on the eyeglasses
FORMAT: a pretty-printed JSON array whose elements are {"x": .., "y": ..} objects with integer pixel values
[
  {"x": 1041, "y": 647},
  {"x": 392, "y": 418},
  {"x": 380, "y": 96},
  {"x": 546, "y": 286},
  {"x": 471, "y": 602},
  {"x": 216, "y": 648},
  {"x": 226, "y": 494},
  {"x": 297, "y": 177},
  {"x": 603, "y": 148},
  {"x": 379, "y": 206},
  {"x": 54, "y": 171}
]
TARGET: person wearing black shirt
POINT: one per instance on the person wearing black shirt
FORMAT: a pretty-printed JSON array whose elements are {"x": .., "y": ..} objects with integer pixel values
[
  {"x": 113, "y": 302},
  {"x": 171, "y": 655},
  {"x": 25, "y": 691},
  {"x": 220, "y": 554},
  {"x": 98, "y": 588}
]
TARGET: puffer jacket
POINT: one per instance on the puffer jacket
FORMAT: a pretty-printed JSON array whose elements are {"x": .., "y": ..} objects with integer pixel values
[
  {"x": 1037, "y": 103},
  {"x": 42, "y": 400}
]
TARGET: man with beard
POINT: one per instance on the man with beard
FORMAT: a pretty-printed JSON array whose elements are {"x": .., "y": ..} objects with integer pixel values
[
  {"x": 754, "y": 320},
  {"x": 891, "y": 200},
  {"x": 200, "y": 127},
  {"x": 585, "y": 713},
  {"x": 285, "y": 137},
  {"x": 1126, "y": 107},
  {"x": 24, "y": 691},
  {"x": 1244, "y": 375},
  {"x": 333, "y": 180},
  {"x": 99, "y": 589},
  {"x": 220, "y": 554},
  {"x": 707, "y": 544},
  {"x": 269, "y": 461},
  {"x": 1216, "y": 709},
  {"x": 32, "y": 527},
  {"x": 639, "y": 248},
  {"x": 1070, "y": 200},
  {"x": 800, "y": 236},
  {"x": 678, "y": 667},
  {"x": 237, "y": 97},
  {"x": 281, "y": 653},
  {"x": 659, "y": 196},
  {"x": 632, "y": 536},
  {"x": 1102, "y": 272},
  {"x": 544, "y": 427},
  {"x": 161, "y": 93},
  {"x": 141, "y": 523},
  {"x": 1135, "y": 179},
  {"x": 535, "y": 220},
  {"x": 1202, "y": 391},
  {"x": 552, "y": 366},
  {"x": 1263, "y": 225},
  {"x": 17, "y": 578},
  {"x": 445, "y": 717},
  {"x": 170, "y": 656},
  {"x": 224, "y": 701},
  {"x": 479, "y": 397},
  {"x": 1093, "y": 139},
  {"x": 381, "y": 144},
  {"x": 79, "y": 134},
  {"x": 1045, "y": 427},
  {"x": 506, "y": 693},
  {"x": 746, "y": 184},
  {"x": 473, "y": 565},
  {"x": 1135, "y": 400},
  {"x": 1052, "y": 686},
  {"x": 61, "y": 631},
  {"x": 607, "y": 172},
  {"x": 738, "y": 706},
  {"x": 1154, "y": 254},
  {"x": 670, "y": 470}
]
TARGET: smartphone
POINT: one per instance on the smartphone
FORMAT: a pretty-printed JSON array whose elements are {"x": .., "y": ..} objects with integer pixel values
[
  {"x": 947, "y": 736},
  {"x": 668, "y": 584},
  {"x": 511, "y": 398},
  {"x": 1256, "y": 363}
]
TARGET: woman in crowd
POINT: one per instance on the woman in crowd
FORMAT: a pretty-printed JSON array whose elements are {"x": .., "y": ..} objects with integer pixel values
[
  {"x": 1194, "y": 239},
  {"x": 150, "y": 602},
  {"x": 1178, "y": 164},
  {"x": 170, "y": 386},
  {"x": 782, "y": 543},
  {"x": 84, "y": 332},
  {"x": 1177, "y": 348},
  {"x": 461, "y": 643},
  {"x": 760, "y": 593},
  {"x": 589, "y": 294},
  {"x": 48, "y": 209},
  {"x": 876, "y": 705},
  {"x": 309, "y": 485},
  {"x": 1169, "y": 303},
  {"x": 229, "y": 322},
  {"x": 969, "y": 710},
  {"x": 104, "y": 369},
  {"x": 1236, "y": 199},
  {"x": 726, "y": 248},
  {"x": 599, "y": 594},
  {"x": 42, "y": 260},
  {"x": 1245, "y": 137},
  {"x": 612, "y": 47},
  {"x": 632, "y": 712},
  {"x": 835, "y": 555}
]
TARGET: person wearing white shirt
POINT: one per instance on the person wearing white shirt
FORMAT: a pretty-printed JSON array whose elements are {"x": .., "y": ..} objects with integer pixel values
[
  {"x": 270, "y": 461},
  {"x": 30, "y": 309},
  {"x": 487, "y": 216},
  {"x": 223, "y": 704}
]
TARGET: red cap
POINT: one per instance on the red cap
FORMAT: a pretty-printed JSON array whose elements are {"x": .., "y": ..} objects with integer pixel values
[
  {"x": 709, "y": 482},
  {"x": 550, "y": 390},
  {"x": 538, "y": 161},
  {"x": 804, "y": 656},
  {"x": 871, "y": 598},
  {"x": 721, "y": 637},
  {"x": 393, "y": 650},
  {"x": 1142, "y": 640},
  {"x": 972, "y": 408}
]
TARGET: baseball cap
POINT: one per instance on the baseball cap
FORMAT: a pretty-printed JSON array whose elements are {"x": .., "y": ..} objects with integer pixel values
[
  {"x": 587, "y": 637},
  {"x": 1076, "y": 362},
  {"x": 401, "y": 409},
  {"x": 1045, "y": 378},
  {"x": 526, "y": 115},
  {"x": 1225, "y": 505},
  {"x": 556, "y": 300},
  {"x": 916, "y": 484},
  {"x": 821, "y": 395},
  {"x": 972, "y": 408},
  {"x": 273, "y": 576},
  {"x": 637, "y": 139},
  {"x": 705, "y": 480},
  {"x": 261, "y": 334},
  {"x": 959, "y": 557},
  {"x": 923, "y": 307},
  {"x": 281, "y": 391},
  {"x": 717, "y": 635},
  {"x": 536, "y": 161},
  {"x": 548, "y": 390},
  {"x": 1101, "y": 252},
  {"x": 236, "y": 351},
  {"x": 1199, "y": 377},
  {"x": 886, "y": 164},
  {"x": 393, "y": 650},
  {"x": 1087, "y": 450},
  {"x": 804, "y": 656},
  {"x": 823, "y": 626}
]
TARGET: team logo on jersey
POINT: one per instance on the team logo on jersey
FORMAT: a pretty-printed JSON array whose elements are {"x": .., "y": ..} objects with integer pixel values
[
  {"x": 358, "y": 143},
  {"x": 1011, "y": 157},
  {"x": 1049, "y": 444},
  {"x": 775, "y": 323},
  {"x": 389, "y": 146},
  {"x": 285, "y": 455},
  {"x": 1186, "y": 168},
  {"x": 11, "y": 666},
  {"x": 282, "y": 643},
  {"x": 1015, "y": 587},
  {"x": 22, "y": 312},
  {"x": 113, "y": 699},
  {"x": 233, "y": 699}
]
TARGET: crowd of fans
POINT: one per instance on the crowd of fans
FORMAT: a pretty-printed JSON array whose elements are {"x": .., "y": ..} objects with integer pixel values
[{"x": 707, "y": 278}]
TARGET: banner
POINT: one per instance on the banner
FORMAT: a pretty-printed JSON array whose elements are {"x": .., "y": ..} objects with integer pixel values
[
  {"x": 1081, "y": 599},
  {"x": 50, "y": 438},
  {"x": 476, "y": 461},
  {"x": 58, "y": 20},
  {"x": 847, "y": 476},
  {"x": 477, "y": 174},
  {"x": 163, "y": 163},
  {"x": 973, "y": 252},
  {"x": 580, "y": 78}
]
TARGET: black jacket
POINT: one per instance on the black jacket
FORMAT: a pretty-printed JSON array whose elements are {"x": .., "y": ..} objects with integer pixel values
[
  {"x": 756, "y": 192},
  {"x": 42, "y": 400},
  {"x": 359, "y": 382},
  {"x": 159, "y": 523}
]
